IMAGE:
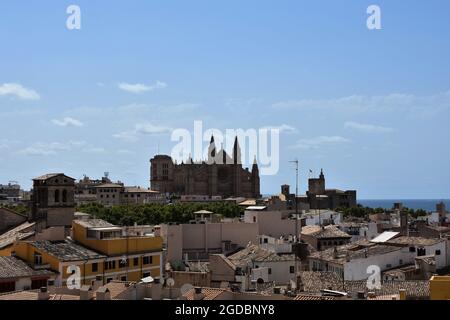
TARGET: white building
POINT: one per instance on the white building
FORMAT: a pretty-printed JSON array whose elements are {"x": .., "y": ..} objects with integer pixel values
[
  {"x": 264, "y": 265},
  {"x": 357, "y": 261},
  {"x": 322, "y": 217}
]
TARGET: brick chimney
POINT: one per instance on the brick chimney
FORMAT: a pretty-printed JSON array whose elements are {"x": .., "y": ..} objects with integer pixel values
[
  {"x": 43, "y": 294},
  {"x": 86, "y": 293},
  {"x": 98, "y": 282},
  {"x": 103, "y": 294},
  {"x": 198, "y": 295}
]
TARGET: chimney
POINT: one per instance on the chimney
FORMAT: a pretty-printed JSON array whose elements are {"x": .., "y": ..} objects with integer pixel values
[
  {"x": 361, "y": 295},
  {"x": 86, "y": 293},
  {"x": 51, "y": 286},
  {"x": 198, "y": 295},
  {"x": 98, "y": 282},
  {"x": 402, "y": 293},
  {"x": 335, "y": 253},
  {"x": 43, "y": 294},
  {"x": 103, "y": 294}
]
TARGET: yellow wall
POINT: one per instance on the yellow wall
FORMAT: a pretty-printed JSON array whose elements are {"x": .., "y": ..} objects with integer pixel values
[
  {"x": 6, "y": 252},
  {"x": 440, "y": 288},
  {"x": 117, "y": 246},
  {"x": 26, "y": 250}
]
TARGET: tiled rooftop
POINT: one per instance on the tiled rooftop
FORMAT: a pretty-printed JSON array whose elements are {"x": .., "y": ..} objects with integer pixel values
[
  {"x": 66, "y": 250},
  {"x": 256, "y": 253},
  {"x": 305, "y": 297},
  {"x": 21, "y": 232},
  {"x": 209, "y": 293},
  {"x": 314, "y": 282},
  {"x": 405, "y": 241},
  {"x": 94, "y": 223},
  {"x": 11, "y": 267},
  {"x": 342, "y": 253},
  {"x": 319, "y": 232}
]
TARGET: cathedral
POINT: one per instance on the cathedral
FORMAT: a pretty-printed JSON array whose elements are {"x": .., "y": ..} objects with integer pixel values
[{"x": 220, "y": 175}]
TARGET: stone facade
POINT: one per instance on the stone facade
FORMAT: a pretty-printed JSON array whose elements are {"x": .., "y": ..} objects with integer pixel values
[
  {"x": 53, "y": 201},
  {"x": 318, "y": 197},
  {"x": 10, "y": 219},
  {"x": 220, "y": 175}
]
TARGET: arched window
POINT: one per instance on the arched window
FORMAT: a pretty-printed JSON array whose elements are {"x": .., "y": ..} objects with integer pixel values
[
  {"x": 56, "y": 195},
  {"x": 64, "y": 196}
]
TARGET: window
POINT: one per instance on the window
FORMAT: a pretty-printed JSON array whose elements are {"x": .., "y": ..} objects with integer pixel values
[
  {"x": 412, "y": 249},
  {"x": 270, "y": 271},
  {"x": 64, "y": 196},
  {"x": 37, "y": 259},
  {"x": 291, "y": 269},
  {"x": 108, "y": 265},
  {"x": 123, "y": 263},
  {"x": 266, "y": 240},
  {"x": 94, "y": 267},
  {"x": 108, "y": 280},
  {"x": 147, "y": 260},
  {"x": 136, "y": 261},
  {"x": 56, "y": 195},
  {"x": 146, "y": 274},
  {"x": 7, "y": 286},
  {"x": 437, "y": 252},
  {"x": 421, "y": 252},
  {"x": 123, "y": 278},
  {"x": 254, "y": 219}
]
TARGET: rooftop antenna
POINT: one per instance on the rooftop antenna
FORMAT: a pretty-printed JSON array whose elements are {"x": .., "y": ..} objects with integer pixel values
[{"x": 296, "y": 217}]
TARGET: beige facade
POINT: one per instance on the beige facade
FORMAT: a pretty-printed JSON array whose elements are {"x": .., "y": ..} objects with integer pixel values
[
  {"x": 273, "y": 223},
  {"x": 199, "y": 240},
  {"x": 113, "y": 194}
]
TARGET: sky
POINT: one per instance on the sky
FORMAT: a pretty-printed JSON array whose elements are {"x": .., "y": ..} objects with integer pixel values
[{"x": 370, "y": 107}]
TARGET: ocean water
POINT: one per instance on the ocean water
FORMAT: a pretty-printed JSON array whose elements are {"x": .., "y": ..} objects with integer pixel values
[{"x": 425, "y": 204}]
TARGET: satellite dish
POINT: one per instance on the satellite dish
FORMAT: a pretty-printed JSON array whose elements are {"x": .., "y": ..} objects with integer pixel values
[
  {"x": 170, "y": 282},
  {"x": 147, "y": 279},
  {"x": 185, "y": 288}
]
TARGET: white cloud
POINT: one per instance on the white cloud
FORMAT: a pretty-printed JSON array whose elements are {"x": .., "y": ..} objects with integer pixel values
[
  {"x": 18, "y": 91},
  {"x": 125, "y": 152},
  {"x": 318, "y": 142},
  {"x": 422, "y": 105},
  {"x": 148, "y": 128},
  {"x": 50, "y": 148},
  {"x": 140, "y": 129},
  {"x": 94, "y": 150},
  {"x": 44, "y": 149},
  {"x": 284, "y": 128},
  {"x": 140, "y": 88},
  {"x": 367, "y": 127},
  {"x": 68, "y": 122}
]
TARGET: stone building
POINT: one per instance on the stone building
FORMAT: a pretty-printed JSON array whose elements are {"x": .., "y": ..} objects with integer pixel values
[
  {"x": 318, "y": 197},
  {"x": 53, "y": 201},
  {"x": 220, "y": 175}
]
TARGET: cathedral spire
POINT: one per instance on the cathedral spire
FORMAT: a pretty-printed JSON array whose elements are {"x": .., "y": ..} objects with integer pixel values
[
  {"x": 236, "y": 152},
  {"x": 211, "y": 151}
]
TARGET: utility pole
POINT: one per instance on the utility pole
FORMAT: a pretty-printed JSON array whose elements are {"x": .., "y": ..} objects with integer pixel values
[{"x": 296, "y": 220}]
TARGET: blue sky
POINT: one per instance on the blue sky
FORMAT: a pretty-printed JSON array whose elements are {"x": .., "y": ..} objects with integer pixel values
[{"x": 371, "y": 107}]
